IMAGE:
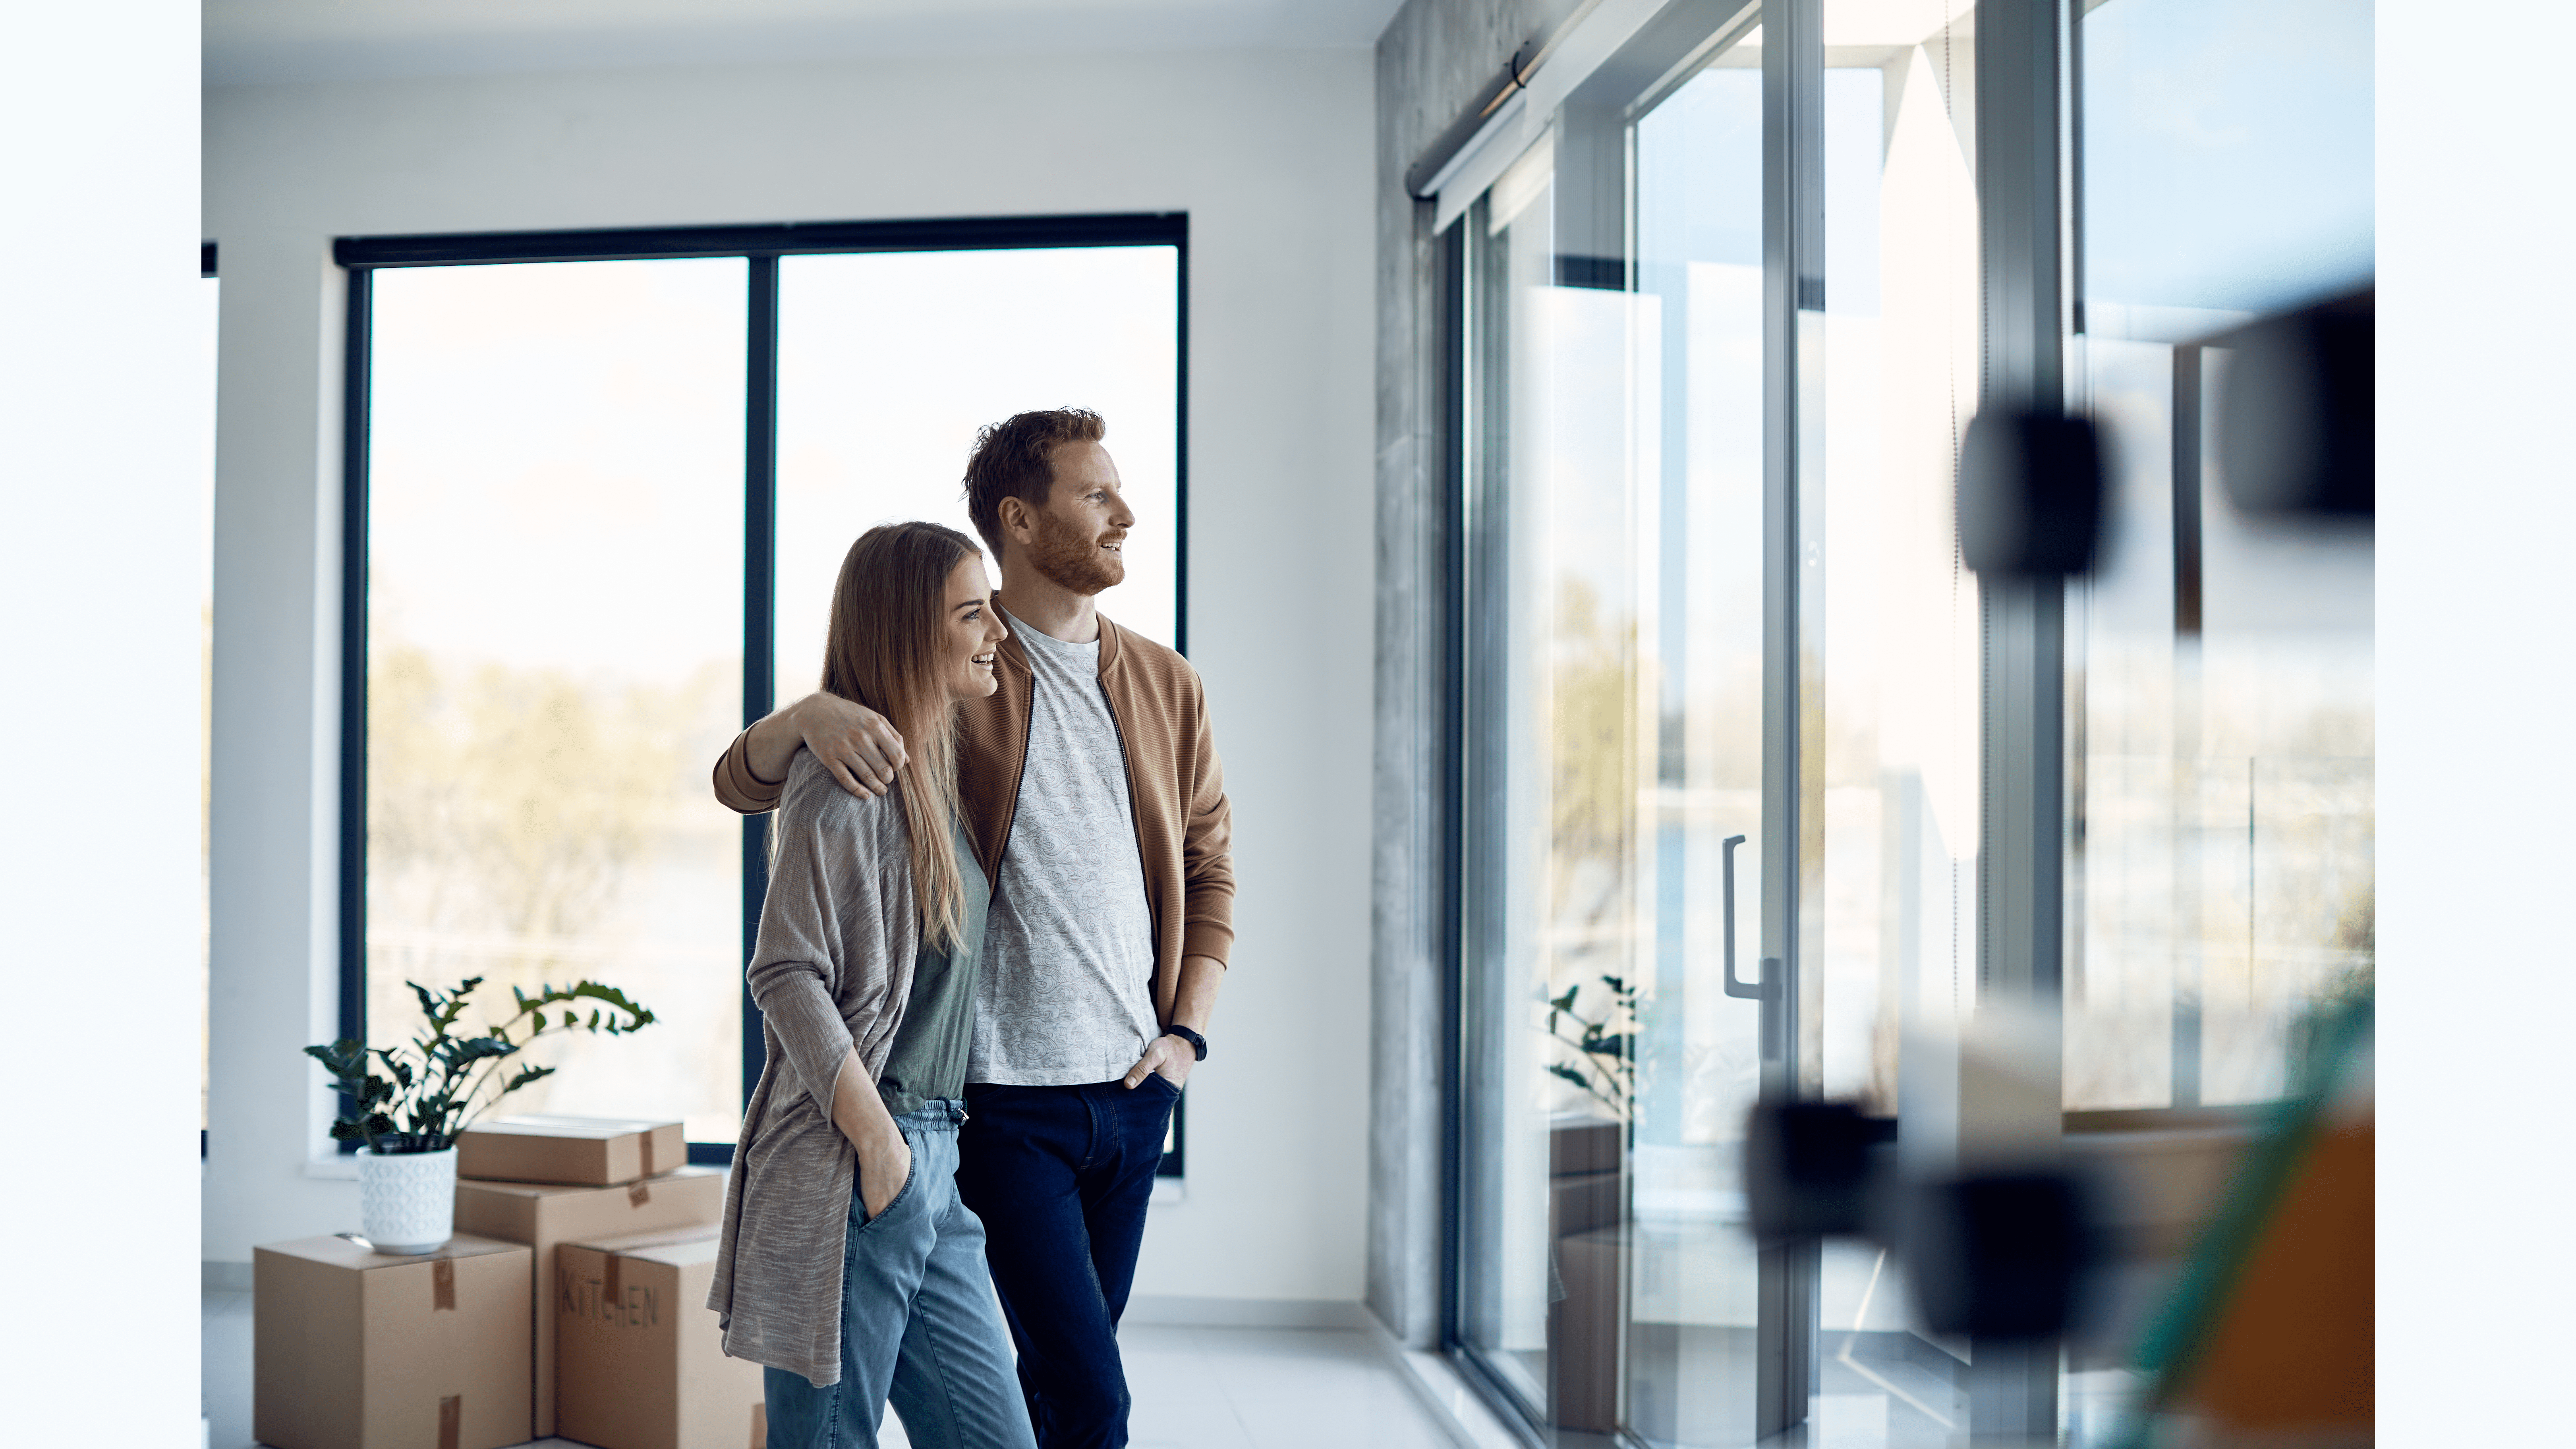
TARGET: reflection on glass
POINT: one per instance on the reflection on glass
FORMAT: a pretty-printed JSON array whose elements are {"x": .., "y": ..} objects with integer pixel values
[
  {"x": 1890, "y": 896},
  {"x": 1614, "y": 671},
  {"x": 1514, "y": 1100},
  {"x": 554, "y": 654},
  {"x": 889, "y": 362},
  {"x": 1559, "y": 872},
  {"x": 2227, "y": 160},
  {"x": 2220, "y": 864},
  {"x": 1699, "y": 587},
  {"x": 2222, "y": 874}
]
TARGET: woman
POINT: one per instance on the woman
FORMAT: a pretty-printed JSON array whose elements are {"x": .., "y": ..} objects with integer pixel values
[{"x": 849, "y": 1268}]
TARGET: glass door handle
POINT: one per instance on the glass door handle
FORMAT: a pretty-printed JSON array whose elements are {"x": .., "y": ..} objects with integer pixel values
[{"x": 1748, "y": 990}]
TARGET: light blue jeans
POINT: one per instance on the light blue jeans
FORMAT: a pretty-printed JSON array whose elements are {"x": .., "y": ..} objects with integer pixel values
[{"x": 918, "y": 1325}]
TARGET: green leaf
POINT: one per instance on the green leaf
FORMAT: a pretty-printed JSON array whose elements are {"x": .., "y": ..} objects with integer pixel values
[
  {"x": 433, "y": 1091},
  {"x": 523, "y": 1077},
  {"x": 466, "y": 1051}
]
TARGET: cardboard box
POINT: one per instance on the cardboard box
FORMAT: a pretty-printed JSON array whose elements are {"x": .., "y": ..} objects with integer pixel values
[
  {"x": 542, "y": 1215},
  {"x": 580, "y": 1151},
  {"x": 639, "y": 1363},
  {"x": 355, "y": 1349}
]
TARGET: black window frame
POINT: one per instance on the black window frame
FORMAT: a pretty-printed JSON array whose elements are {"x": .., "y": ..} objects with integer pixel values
[
  {"x": 760, "y": 246},
  {"x": 206, "y": 258}
]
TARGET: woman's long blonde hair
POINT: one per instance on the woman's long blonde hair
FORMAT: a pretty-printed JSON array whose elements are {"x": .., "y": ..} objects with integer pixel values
[{"x": 889, "y": 611}]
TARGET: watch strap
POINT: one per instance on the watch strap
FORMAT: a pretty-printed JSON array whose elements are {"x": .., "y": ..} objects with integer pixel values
[{"x": 1197, "y": 1042}]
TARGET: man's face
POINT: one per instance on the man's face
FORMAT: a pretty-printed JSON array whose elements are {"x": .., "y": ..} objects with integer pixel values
[{"x": 1076, "y": 540}]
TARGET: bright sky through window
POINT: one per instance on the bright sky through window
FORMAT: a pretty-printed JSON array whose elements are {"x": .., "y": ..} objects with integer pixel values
[
  {"x": 889, "y": 362},
  {"x": 554, "y": 658}
]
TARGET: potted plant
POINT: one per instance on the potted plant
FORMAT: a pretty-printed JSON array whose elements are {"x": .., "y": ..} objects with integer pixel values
[{"x": 408, "y": 1119}]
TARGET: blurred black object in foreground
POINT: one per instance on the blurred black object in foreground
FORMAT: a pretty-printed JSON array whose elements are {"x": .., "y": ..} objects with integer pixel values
[
  {"x": 1808, "y": 1168},
  {"x": 1998, "y": 1255},
  {"x": 2030, "y": 494},
  {"x": 2295, "y": 411}
]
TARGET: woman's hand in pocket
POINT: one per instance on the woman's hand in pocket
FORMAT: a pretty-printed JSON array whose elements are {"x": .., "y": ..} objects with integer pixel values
[
  {"x": 885, "y": 1164},
  {"x": 885, "y": 1159}
]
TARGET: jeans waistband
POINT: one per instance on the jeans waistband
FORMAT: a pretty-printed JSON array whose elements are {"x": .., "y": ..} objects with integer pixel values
[{"x": 936, "y": 1112}]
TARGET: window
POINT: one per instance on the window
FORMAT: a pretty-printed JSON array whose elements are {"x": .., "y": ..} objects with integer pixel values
[
  {"x": 889, "y": 362},
  {"x": 2224, "y": 851},
  {"x": 554, "y": 654},
  {"x": 567, "y": 456}
]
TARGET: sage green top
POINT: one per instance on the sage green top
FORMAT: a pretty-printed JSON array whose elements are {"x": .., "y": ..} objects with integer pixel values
[{"x": 928, "y": 1061}]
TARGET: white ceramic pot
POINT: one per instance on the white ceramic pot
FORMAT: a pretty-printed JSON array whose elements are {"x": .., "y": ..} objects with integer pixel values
[{"x": 407, "y": 1201}]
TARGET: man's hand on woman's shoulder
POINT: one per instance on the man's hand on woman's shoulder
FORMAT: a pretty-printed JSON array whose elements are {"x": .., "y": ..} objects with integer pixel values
[{"x": 854, "y": 742}]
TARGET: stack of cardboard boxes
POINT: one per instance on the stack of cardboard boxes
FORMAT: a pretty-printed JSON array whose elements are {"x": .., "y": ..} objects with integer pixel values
[{"x": 571, "y": 1302}]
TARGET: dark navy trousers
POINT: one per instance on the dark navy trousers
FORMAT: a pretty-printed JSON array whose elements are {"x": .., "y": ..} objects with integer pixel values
[{"x": 1060, "y": 1177}]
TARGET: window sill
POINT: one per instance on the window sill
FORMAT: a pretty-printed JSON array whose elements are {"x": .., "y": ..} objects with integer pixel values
[{"x": 343, "y": 1167}]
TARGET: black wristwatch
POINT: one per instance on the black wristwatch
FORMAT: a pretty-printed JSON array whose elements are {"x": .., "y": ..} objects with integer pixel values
[{"x": 1197, "y": 1042}]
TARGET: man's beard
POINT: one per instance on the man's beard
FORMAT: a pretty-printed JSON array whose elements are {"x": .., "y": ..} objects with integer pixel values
[{"x": 1071, "y": 559}]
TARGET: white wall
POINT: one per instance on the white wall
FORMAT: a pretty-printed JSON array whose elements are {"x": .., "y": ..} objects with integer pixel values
[
  {"x": 1270, "y": 154},
  {"x": 102, "y": 476}
]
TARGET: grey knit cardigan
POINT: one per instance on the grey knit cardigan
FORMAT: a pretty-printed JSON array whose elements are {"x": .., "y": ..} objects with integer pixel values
[{"x": 839, "y": 934}]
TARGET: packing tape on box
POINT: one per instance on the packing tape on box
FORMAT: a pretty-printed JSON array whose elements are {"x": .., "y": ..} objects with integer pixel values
[
  {"x": 442, "y": 1285},
  {"x": 638, "y": 1192},
  {"x": 760, "y": 1426},
  {"x": 648, "y": 1152},
  {"x": 451, "y": 1420}
]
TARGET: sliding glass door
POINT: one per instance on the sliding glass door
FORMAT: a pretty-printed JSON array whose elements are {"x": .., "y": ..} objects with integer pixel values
[
  {"x": 1614, "y": 770},
  {"x": 1726, "y": 688},
  {"x": 1719, "y": 801},
  {"x": 1613, "y": 775}
]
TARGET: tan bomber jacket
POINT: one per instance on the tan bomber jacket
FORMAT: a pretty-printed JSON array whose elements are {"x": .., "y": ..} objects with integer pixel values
[{"x": 1184, "y": 825}]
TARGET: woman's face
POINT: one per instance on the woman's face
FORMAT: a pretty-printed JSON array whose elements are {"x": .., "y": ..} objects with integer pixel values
[{"x": 973, "y": 627}]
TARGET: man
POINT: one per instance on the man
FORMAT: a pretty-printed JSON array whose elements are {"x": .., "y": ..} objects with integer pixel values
[{"x": 1093, "y": 796}]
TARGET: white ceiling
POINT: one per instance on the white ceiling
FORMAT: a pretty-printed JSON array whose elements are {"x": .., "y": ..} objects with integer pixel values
[{"x": 249, "y": 42}]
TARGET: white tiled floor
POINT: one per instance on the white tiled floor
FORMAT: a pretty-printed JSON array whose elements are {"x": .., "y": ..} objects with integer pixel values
[
  {"x": 1195, "y": 1388},
  {"x": 1269, "y": 1388}
]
